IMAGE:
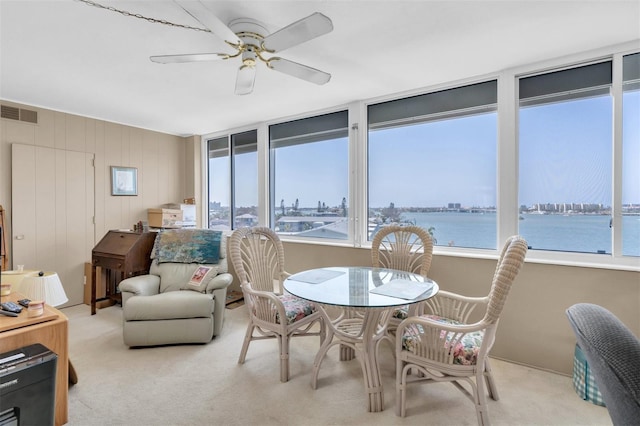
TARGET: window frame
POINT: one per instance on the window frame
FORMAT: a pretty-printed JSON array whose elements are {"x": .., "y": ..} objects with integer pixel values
[
  {"x": 507, "y": 162},
  {"x": 482, "y": 108},
  {"x": 615, "y": 260},
  {"x": 268, "y": 195},
  {"x": 603, "y": 86},
  {"x": 204, "y": 143}
]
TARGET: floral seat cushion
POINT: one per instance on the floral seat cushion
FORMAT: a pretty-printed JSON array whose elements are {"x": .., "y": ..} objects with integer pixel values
[
  {"x": 401, "y": 313},
  {"x": 465, "y": 351},
  {"x": 295, "y": 308}
]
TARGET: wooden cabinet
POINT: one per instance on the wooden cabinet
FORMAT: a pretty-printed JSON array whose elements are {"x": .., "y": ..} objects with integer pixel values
[
  {"x": 51, "y": 330},
  {"x": 121, "y": 254}
]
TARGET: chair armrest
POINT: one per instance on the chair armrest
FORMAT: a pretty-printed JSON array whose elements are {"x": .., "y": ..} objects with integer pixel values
[
  {"x": 219, "y": 281},
  {"x": 264, "y": 305},
  {"x": 218, "y": 287},
  {"x": 438, "y": 325},
  {"x": 451, "y": 305},
  {"x": 455, "y": 296},
  {"x": 141, "y": 285}
]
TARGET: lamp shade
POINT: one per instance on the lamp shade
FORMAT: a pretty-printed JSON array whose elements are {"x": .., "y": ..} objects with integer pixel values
[
  {"x": 46, "y": 287},
  {"x": 14, "y": 278}
]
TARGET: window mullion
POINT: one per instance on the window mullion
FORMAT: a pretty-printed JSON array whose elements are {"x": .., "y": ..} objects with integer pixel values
[
  {"x": 264, "y": 190},
  {"x": 358, "y": 216},
  {"x": 616, "y": 158},
  {"x": 507, "y": 161}
]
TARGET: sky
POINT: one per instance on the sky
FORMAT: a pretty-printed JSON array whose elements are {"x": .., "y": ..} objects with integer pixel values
[
  {"x": 565, "y": 152},
  {"x": 565, "y": 156}
]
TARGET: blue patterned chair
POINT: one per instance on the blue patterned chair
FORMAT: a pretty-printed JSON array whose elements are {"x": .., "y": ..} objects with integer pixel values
[
  {"x": 182, "y": 299},
  {"x": 258, "y": 258},
  {"x": 613, "y": 354}
]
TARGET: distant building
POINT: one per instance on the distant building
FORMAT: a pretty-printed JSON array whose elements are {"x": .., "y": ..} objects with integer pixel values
[{"x": 245, "y": 220}]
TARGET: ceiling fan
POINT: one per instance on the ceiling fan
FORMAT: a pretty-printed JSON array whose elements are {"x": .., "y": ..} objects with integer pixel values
[{"x": 252, "y": 42}]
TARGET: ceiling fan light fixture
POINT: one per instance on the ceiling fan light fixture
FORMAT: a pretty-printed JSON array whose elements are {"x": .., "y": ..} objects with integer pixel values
[
  {"x": 245, "y": 79},
  {"x": 249, "y": 58}
]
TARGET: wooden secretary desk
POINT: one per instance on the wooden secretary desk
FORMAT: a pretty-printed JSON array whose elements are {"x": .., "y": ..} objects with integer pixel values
[{"x": 121, "y": 254}]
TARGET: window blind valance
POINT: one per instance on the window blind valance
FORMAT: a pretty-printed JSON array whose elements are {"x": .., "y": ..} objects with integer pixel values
[{"x": 465, "y": 100}]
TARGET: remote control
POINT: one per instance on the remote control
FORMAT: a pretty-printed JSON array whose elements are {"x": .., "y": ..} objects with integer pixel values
[
  {"x": 24, "y": 302},
  {"x": 7, "y": 313},
  {"x": 11, "y": 307}
]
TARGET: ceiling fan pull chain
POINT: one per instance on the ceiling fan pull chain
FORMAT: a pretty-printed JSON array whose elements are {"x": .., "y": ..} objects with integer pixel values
[{"x": 139, "y": 16}]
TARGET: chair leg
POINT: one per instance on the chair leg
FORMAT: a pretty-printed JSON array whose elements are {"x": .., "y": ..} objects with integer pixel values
[
  {"x": 481, "y": 400},
  {"x": 326, "y": 344},
  {"x": 245, "y": 344},
  {"x": 284, "y": 357},
  {"x": 491, "y": 384},
  {"x": 390, "y": 337},
  {"x": 401, "y": 389},
  {"x": 323, "y": 331}
]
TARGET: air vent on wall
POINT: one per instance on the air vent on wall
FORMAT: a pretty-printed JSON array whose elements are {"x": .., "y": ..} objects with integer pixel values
[{"x": 13, "y": 113}]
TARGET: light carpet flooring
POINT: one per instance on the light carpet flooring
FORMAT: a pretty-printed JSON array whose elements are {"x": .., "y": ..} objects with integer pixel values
[{"x": 205, "y": 385}]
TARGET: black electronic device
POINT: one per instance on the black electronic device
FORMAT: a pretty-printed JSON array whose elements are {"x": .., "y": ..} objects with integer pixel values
[
  {"x": 24, "y": 302},
  {"x": 28, "y": 386},
  {"x": 11, "y": 307}
]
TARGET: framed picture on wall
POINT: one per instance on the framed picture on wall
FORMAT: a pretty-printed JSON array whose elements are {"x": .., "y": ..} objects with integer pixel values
[{"x": 124, "y": 180}]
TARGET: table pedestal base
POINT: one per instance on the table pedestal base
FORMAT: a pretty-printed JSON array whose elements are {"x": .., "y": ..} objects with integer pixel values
[
  {"x": 358, "y": 338},
  {"x": 346, "y": 353}
]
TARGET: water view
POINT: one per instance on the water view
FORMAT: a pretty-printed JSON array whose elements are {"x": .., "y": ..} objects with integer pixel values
[
  {"x": 584, "y": 233},
  {"x": 578, "y": 233}
]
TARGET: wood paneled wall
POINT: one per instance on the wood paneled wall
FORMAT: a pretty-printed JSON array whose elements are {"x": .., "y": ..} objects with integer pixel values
[{"x": 165, "y": 174}]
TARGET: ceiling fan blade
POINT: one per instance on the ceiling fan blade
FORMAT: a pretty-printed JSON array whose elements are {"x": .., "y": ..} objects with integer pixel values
[
  {"x": 207, "y": 18},
  {"x": 245, "y": 79},
  {"x": 300, "y": 31},
  {"x": 300, "y": 71},
  {"x": 194, "y": 57}
]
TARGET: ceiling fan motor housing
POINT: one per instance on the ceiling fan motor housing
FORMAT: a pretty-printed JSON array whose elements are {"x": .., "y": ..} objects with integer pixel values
[{"x": 251, "y": 32}]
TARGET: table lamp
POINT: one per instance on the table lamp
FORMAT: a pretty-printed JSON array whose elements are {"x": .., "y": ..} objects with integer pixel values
[
  {"x": 45, "y": 286},
  {"x": 14, "y": 278}
]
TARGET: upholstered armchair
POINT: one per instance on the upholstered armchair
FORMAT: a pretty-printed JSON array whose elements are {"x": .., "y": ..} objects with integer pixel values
[{"x": 182, "y": 299}]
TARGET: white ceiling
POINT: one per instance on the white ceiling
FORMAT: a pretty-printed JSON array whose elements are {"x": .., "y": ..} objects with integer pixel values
[{"x": 68, "y": 56}]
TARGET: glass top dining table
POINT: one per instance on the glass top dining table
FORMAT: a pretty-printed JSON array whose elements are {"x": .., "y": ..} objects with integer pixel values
[
  {"x": 366, "y": 298},
  {"x": 358, "y": 286}
]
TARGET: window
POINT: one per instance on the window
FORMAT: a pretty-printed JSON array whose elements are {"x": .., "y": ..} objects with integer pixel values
[
  {"x": 550, "y": 154},
  {"x": 309, "y": 165},
  {"x": 565, "y": 159},
  {"x": 219, "y": 183},
  {"x": 631, "y": 155},
  {"x": 432, "y": 162},
  {"x": 233, "y": 181},
  {"x": 244, "y": 166}
]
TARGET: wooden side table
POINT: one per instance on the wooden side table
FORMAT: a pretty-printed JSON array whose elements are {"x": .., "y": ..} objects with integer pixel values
[{"x": 51, "y": 329}]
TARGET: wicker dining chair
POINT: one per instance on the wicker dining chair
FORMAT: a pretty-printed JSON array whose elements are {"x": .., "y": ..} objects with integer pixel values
[
  {"x": 257, "y": 255},
  {"x": 444, "y": 347},
  {"x": 405, "y": 248}
]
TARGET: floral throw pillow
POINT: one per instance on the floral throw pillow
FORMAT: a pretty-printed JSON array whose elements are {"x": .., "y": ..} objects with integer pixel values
[{"x": 201, "y": 278}]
